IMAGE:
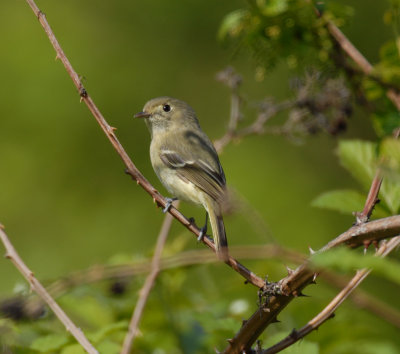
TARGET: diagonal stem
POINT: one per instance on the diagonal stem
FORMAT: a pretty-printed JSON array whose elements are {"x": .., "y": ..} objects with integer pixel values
[
  {"x": 131, "y": 168},
  {"x": 14, "y": 257},
  {"x": 147, "y": 286}
]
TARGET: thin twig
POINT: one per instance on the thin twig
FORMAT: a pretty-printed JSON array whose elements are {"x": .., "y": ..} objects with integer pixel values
[
  {"x": 35, "y": 285},
  {"x": 358, "y": 58},
  {"x": 148, "y": 285},
  {"x": 131, "y": 168},
  {"x": 363, "y": 299},
  {"x": 329, "y": 310}
]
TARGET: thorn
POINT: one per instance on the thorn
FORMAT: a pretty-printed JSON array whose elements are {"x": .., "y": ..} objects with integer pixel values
[
  {"x": 311, "y": 250},
  {"x": 230, "y": 341},
  {"x": 40, "y": 14},
  {"x": 367, "y": 243},
  {"x": 313, "y": 279},
  {"x": 2, "y": 226},
  {"x": 82, "y": 92},
  {"x": 289, "y": 270},
  {"x": 298, "y": 293},
  {"x": 294, "y": 334},
  {"x": 137, "y": 182},
  {"x": 275, "y": 320},
  {"x": 331, "y": 316},
  {"x": 266, "y": 309},
  {"x": 376, "y": 244},
  {"x": 57, "y": 57},
  {"x": 113, "y": 129},
  {"x": 303, "y": 295},
  {"x": 244, "y": 322},
  {"x": 7, "y": 256}
]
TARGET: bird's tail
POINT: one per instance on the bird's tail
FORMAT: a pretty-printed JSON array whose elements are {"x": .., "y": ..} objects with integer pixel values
[{"x": 218, "y": 230}]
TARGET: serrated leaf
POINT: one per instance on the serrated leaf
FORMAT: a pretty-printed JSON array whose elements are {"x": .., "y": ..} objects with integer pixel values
[
  {"x": 390, "y": 190},
  {"x": 345, "y": 201},
  {"x": 360, "y": 159},
  {"x": 390, "y": 193},
  {"x": 50, "y": 342},
  {"x": 390, "y": 151}
]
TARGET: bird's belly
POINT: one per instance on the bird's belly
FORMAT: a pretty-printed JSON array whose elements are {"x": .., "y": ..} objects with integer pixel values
[{"x": 183, "y": 190}]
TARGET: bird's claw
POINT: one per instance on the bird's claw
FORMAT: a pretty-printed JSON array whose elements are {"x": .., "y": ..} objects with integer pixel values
[
  {"x": 202, "y": 233},
  {"x": 168, "y": 204}
]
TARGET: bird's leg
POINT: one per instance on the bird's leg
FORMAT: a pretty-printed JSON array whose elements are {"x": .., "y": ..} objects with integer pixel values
[
  {"x": 203, "y": 230},
  {"x": 168, "y": 204}
]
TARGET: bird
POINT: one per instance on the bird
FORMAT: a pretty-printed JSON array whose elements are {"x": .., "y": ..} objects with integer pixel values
[{"x": 186, "y": 162}]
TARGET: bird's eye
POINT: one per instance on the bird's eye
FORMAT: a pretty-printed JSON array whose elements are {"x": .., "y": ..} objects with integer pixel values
[{"x": 166, "y": 108}]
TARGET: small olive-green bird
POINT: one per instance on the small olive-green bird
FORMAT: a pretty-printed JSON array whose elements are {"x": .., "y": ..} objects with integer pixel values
[{"x": 186, "y": 162}]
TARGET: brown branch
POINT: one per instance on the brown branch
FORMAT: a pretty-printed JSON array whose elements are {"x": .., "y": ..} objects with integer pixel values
[
  {"x": 363, "y": 299},
  {"x": 292, "y": 285},
  {"x": 131, "y": 168},
  {"x": 35, "y": 285},
  {"x": 329, "y": 310},
  {"x": 33, "y": 306},
  {"x": 358, "y": 58},
  {"x": 148, "y": 285}
]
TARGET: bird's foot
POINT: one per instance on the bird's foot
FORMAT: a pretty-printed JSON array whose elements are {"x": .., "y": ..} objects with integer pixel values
[
  {"x": 168, "y": 204},
  {"x": 202, "y": 233}
]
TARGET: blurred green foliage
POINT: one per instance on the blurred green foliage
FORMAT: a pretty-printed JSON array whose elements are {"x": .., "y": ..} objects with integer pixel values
[{"x": 67, "y": 204}]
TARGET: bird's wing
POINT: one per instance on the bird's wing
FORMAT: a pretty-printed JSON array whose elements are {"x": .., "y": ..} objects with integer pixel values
[{"x": 209, "y": 177}]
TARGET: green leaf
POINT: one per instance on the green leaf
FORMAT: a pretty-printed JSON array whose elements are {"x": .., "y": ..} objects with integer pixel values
[
  {"x": 50, "y": 342},
  {"x": 73, "y": 349},
  {"x": 89, "y": 309},
  {"x": 272, "y": 7},
  {"x": 360, "y": 159},
  {"x": 345, "y": 201},
  {"x": 390, "y": 151},
  {"x": 347, "y": 260},
  {"x": 232, "y": 24},
  {"x": 390, "y": 190},
  {"x": 105, "y": 331},
  {"x": 385, "y": 123},
  {"x": 109, "y": 347}
]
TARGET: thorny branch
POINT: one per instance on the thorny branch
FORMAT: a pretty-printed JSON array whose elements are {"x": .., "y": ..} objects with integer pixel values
[
  {"x": 290, "y": 286},
  {"x": 14, "y": 257},
  {"x": 329, "y": 310},
  {"x": 131, "y": 168}
]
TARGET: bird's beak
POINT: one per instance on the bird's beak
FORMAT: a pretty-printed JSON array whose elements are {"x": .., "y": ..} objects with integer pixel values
[{"x": 142, "y": 115}]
